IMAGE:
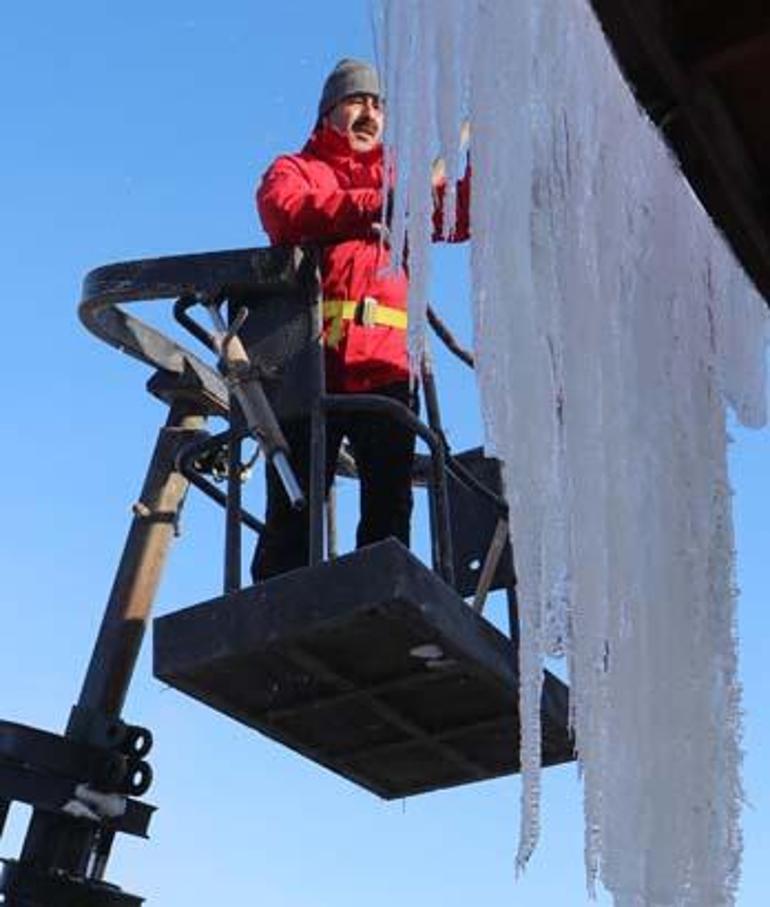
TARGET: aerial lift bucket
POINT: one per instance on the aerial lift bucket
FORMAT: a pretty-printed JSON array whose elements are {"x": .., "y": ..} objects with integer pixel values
[{"x": 372, "y": 664}]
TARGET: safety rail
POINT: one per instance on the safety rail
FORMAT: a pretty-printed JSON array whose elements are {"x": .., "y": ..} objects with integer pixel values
[
  {"x": 209, "y": 279},
  {"x": 208, "y": 275}
]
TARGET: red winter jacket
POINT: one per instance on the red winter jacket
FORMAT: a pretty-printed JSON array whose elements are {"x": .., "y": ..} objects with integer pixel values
[{"x": 332, "y": 195}]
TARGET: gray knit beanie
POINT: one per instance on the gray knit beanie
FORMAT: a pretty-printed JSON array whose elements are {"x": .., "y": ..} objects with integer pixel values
[{"x": 348, "y": 77}]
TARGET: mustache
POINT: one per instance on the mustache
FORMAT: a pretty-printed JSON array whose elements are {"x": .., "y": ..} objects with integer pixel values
[{"x": 366, "y": 123}]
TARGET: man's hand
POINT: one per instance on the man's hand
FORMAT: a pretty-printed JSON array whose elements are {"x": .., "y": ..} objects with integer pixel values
[
  {"x": 438, "y": 173},
  {"x": 382, "y": 233},
  {"x": 438, "y": 170}
]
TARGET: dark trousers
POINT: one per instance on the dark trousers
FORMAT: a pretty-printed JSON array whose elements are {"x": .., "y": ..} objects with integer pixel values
[{"x": 384, "y": 452}]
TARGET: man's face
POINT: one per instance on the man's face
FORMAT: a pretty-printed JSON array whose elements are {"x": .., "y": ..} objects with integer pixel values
[{"x": 361, "y": 118}]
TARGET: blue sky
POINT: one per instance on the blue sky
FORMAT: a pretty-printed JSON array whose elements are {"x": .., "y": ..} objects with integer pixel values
[{"x": 131, "y": 131}]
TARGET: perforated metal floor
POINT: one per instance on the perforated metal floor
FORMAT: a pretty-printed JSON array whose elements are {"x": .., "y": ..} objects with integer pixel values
[{"x": 370, "y": 665}]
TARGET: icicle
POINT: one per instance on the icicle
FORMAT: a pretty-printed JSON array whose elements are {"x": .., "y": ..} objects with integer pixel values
[
  {"x": 504, "y": 295},
  {"x": 612, "y": 326}
]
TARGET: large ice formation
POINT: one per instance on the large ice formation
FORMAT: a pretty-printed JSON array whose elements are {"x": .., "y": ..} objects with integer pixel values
[{"x": 612, "y": 328}]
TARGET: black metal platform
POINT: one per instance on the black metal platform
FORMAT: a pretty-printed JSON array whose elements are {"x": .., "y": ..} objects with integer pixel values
[{"x": 370, "y": 665}]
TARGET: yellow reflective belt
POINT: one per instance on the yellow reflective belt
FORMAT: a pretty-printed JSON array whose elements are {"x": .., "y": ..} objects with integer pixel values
[{"x": 336, "y": 311}]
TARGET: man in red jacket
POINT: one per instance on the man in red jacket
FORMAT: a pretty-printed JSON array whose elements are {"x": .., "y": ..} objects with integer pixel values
[{"x": 331, "y": 194}]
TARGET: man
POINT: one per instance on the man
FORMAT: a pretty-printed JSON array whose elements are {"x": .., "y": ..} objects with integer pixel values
[{"x": 330, "y": 194}]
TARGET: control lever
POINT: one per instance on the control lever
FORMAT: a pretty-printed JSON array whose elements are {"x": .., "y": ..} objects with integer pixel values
[{"x": 244, "y": 384}]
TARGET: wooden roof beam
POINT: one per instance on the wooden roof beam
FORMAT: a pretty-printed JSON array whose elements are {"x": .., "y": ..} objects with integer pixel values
[
  {"x": 708, "y": 36},
  {"x": 691, "y": 115},
  {"x": 719, "y": 57}
]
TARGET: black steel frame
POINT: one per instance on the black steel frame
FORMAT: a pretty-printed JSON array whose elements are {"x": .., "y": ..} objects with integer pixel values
[{"x": 64, "y": 857}]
